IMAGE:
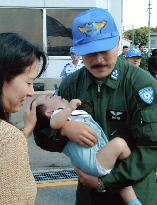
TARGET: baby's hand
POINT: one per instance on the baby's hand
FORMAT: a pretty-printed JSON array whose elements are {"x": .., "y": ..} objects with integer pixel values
[{"x": 74, "y": 103}]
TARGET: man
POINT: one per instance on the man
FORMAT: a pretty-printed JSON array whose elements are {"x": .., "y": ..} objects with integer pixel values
[
  {"x": 154, "y": 52},
  {"x": 122, "y": 99},
  {"x": 152, "y": 66},
  {"x": 133, "y": 56},
  {"x": 144, "y": 60},
  {"x": 152, "y": 63},
  {"x": 74, "y": 65},
  {"x": 122, "y": 55}
]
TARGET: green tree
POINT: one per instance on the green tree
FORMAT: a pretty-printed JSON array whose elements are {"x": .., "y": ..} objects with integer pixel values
[{"x": 140, "y": 35}]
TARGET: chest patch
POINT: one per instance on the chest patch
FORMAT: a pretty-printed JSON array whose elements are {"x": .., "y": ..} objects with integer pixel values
[
  {"x": 115, "y": 74},
  {"x": 116, "y": 115}
]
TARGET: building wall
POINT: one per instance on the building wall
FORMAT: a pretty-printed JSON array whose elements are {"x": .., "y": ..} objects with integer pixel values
[
  {"x": 153, "y": 40},
  {"x": 53, "y": 3},
  {"x": 56, "y": 63}
]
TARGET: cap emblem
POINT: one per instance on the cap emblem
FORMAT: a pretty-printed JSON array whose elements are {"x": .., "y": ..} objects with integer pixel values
[{"x": 92, "y": 29}]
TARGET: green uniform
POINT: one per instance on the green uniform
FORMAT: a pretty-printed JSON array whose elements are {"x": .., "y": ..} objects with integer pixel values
[
  {"x": 121, "y": 111},
  {"x": 144, "y": 60},
  {"x": 122, "y": 57}
]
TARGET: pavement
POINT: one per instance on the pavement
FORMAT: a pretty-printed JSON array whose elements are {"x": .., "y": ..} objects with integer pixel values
[{"x": 41, "y": 160}]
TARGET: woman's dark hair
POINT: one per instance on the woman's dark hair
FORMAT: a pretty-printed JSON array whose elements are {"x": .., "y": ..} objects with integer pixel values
[{"x": 16, "y": 54}]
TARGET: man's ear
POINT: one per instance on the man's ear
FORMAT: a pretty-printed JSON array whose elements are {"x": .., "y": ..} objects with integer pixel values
[{"x": 48, "y": 113}]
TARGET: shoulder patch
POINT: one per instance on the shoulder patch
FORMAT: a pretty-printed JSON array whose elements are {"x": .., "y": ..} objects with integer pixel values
[{"x": 147, "y": 95}]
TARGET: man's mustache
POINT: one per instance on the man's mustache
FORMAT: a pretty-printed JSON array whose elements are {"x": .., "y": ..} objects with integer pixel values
[{"x": 97, "y": 66}]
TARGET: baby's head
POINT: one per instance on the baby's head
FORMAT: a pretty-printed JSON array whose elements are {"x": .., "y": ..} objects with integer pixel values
[{"x": 46, "y": 104}]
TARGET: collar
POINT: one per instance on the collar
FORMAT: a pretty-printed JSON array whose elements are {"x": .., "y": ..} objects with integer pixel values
[{"x": 109, "y": 80}]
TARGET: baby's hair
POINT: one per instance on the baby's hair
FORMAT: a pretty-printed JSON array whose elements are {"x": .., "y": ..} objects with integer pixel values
[{"x": 42, "y": 120}]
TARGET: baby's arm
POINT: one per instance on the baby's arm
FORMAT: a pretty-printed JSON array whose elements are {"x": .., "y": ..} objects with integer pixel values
[{"x": 58, "y": 120}]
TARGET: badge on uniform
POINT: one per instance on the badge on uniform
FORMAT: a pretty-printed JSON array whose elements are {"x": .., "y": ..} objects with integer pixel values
[
  {"x": 115, "y": 74},
  {"x": 116, "y": 115},
  {"x": 147, "y": 95}
]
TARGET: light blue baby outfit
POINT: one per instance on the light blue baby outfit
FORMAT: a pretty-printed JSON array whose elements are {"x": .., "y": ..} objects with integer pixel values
[{"x": 83, "y": 157}]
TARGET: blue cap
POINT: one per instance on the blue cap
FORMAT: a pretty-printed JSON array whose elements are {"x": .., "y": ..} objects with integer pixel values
[
  {"x": 72, "y": 50},
  {"x": 94, "y": 31},
  {"x": 133, "y": 52}
]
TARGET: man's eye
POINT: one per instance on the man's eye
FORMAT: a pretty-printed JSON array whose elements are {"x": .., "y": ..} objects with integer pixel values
[{"x": 29, "y": 83}]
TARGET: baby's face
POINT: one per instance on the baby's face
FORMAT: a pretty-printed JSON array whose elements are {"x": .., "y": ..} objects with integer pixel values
[{"x": 52, "y": 102}]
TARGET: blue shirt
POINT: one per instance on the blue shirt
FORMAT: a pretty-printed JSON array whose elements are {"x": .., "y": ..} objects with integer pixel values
[{"x": 70, "y": 68}]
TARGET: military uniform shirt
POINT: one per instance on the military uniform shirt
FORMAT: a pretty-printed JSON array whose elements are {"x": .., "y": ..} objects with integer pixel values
[
  {"x": 144, "y": 60},
  {"x": 124, "y": 105},
  {"x": 122, "y": 57},
  {"x": 120, "y": 107}
]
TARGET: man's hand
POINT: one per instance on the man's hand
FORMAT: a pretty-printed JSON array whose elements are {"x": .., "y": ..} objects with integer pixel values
[
  {"x": 79, "y": 133},
  {"x": 87, "y": 180},
  {"x": 30, "y": 120}
]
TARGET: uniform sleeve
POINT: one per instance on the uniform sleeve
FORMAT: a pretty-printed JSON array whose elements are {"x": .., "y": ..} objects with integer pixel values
[{"x": 143, "y": 158}]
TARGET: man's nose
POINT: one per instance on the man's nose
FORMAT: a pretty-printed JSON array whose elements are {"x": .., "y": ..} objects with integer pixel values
[{"x": 99, "y": 57}]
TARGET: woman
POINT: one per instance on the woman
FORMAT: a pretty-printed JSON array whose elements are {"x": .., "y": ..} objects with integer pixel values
[{"x": 19, "y": 66}]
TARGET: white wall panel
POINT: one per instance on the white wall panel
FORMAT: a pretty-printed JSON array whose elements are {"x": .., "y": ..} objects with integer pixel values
[{"x": 22, "y": 3}]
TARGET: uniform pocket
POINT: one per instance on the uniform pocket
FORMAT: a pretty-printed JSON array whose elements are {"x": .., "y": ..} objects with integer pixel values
[
  {"x": 149, "y": 124},
  {"x": 149, "y": 116}
]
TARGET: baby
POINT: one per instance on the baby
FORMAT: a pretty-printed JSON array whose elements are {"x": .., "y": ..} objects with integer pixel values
[{"x": 97, "y": 160}]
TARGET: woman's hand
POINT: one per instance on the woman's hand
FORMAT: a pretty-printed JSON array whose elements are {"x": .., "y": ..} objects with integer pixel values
[
  {"x": 30, "y": 120},
  {"x": 79, "y": 133},
  {"x": 86, "y": 179}
]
